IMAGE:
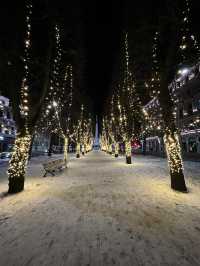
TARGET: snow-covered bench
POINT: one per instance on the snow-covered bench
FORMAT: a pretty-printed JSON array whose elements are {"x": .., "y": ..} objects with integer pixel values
[{"x": 52, "y": 166}]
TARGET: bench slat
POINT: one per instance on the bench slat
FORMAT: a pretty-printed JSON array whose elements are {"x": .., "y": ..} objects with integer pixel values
[{"x": 51, "y": 166}]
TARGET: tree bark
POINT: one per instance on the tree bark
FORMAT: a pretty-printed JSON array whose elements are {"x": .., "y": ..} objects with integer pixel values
[
  {"x": 173, "y": 150},
  {"x": 18, "y": 163},
  {"x": 116, "y": 149},
  {"x": 65, "y": 150},
  {"x": 110, "y": 149},
  {"x": 171, "y": 136},
  {"x": 128, "y": 152},
  {"x": 83, "y": 149},
  {"x": 50, "y": 145},
  {"x": 144, "y": 145},
  {"x": 78, "y": 150},
  {"x": 31, "y": 146}
]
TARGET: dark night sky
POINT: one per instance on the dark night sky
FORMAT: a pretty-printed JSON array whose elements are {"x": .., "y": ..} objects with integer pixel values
[
  {"x": 100, "y": 23},
  {"x": 103, "y": 23}
]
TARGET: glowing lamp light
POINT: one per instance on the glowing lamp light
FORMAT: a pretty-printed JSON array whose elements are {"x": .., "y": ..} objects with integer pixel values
[
  {"x": 55, "y": 104},
  {"x": 183, "y": 71}
]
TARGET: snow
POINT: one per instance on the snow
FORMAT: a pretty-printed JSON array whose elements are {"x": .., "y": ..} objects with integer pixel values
[{"x": 101, "y": 211}]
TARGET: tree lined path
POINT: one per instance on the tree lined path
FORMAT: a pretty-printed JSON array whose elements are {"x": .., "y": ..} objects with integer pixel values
[{"x": 101, "y": 211}]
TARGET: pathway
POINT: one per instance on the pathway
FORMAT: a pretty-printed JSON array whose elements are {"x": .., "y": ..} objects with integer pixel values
[{"x": 102, "y": 212}]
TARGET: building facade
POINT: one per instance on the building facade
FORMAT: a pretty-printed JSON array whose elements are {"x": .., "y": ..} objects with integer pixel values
[
  {"x": 185, "y": 92},
  {"x": 7, "y": 125}
]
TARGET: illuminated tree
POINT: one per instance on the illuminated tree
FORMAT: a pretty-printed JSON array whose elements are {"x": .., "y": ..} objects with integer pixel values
[
  {"x": 83, "y": 132},
  {"x": 189, "y": 47},
  {"x": 104, "y": 136},
  {"x": 78, "y": 132},
  {"x": 64, "y": 110},
  {"x": 86, "y": 134},
  {"x": 153, "y": 119},
  {"x": 172, "y": 44},
  {"x": 129, "y": 104},
  {"x": 27, "y": 104},
  {"x": 122, "y": 122},
  {"x": 48, "y": 121},
  {"x": 113, "y": 123},
  {"x": 61, "y": 115}
]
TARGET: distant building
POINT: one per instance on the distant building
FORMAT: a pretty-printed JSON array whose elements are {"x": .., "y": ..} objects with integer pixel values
[
  {"x": 8, "y": 131},
  {"x": 7, "y": 125},
  {"x": 186, "y": 95}
]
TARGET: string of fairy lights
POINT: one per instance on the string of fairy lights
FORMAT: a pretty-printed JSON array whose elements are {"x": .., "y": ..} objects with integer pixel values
[
  {"x": 62, "y": 111},
  {"x": 173, "y": 149},
  {"x": 120, "y": 124},
  {"x": 87, "y": 134},
  {"x": 24, "y": 106},
  {"x": 190, "y": 54},
  {"x": 54, "y": 82},
  {"x": 78, "y": 132},
  {"x": 49, "y": 119},
  {"x": 189, "y": 50},
  {"x": 55, "y": 101},
  {"x": 153, "y": 109},
  {"x": 155, "y": 80},
  {"x": 19, "y": 159},
  {"x": 57, "y": 110},
  {"x": 188, "y": 40},
  {"x": 64, "y": 103}
]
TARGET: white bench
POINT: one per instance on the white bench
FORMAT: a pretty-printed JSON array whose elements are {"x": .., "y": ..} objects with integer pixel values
[{"x": 52, "y": 166}]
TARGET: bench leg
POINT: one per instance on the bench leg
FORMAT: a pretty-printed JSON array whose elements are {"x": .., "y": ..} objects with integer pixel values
[{"x": 51, "y": 172}]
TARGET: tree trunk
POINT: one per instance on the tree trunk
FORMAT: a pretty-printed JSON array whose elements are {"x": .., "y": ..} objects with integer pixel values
[
  {"x": 51, "y": 145},
  {"x": 173, "y": 150},
  {"x": 168, "y": 72},
  {"x": 31, "y": 146},
  {"x": 110, "y": 149},
  {"x": 171, "y": 141},
  {"x": 87, "y": 148},
  {"x": 18, "y": 163},
  {"x": 83, "y": 149},
  {"x": 78, "y": 150},
  {"x": 65, "y": 150},
  {"x": 107, "y": 146},
  {"x": 116, "y": 149},
  {"x": 128, "y": 152},
  {"x": 144, "y": 145}
]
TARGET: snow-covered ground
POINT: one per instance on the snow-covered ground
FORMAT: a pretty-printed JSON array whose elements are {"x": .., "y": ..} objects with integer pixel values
[{"x": 101, "y": 211}]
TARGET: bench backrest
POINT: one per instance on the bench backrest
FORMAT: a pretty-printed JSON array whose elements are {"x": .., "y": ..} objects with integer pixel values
[{"x": 54, "y": 163}]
